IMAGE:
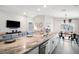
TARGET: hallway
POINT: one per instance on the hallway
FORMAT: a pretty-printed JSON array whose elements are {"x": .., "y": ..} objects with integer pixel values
[{"x": 66, "y": 47}]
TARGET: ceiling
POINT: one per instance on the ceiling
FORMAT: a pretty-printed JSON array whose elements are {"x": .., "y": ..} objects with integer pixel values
[{"x": 58, "y": 11}]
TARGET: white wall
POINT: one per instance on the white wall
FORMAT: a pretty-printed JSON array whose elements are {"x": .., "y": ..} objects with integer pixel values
[
  {"x": 48, "y": 21},
  {"x": 42, "y": 21},
  {"x": 76, "y": 25},
  {"x": 7, "y": 13},
  {"x": 5, "y": 16},
  {"x": 57, "y": 24},
  {"x": 3, "y": 19}
]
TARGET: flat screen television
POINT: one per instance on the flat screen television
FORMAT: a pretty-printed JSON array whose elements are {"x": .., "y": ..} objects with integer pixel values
[{"x": 12, "y": 24}]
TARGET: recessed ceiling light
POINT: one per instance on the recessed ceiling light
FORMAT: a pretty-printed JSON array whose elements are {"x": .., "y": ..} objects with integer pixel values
[
  {"x": 38, "y": 9},
  {"x": 24, "y": 13},
  {"x": 45, "y": 6}
]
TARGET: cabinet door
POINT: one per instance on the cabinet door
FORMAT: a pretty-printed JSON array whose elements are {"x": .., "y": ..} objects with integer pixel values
[
  {"x": 49, "y": 46},
  {"x": 52, "y": 43},
  {"x": 34, "y": 51},
  {"x": 56, "y": 41}
]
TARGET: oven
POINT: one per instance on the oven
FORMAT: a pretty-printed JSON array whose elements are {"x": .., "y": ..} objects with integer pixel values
[{"x": 42, "y": 48}]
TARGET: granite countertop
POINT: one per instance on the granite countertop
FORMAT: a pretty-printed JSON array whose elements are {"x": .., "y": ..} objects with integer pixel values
[{"x": 22, "y": 44}]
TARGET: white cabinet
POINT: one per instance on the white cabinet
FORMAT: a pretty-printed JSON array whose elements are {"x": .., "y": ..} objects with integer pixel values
[
  {"x": 49, "y": 46},
  {"x": 34, "y": 51},
  {"x": 52, "y": 43}
]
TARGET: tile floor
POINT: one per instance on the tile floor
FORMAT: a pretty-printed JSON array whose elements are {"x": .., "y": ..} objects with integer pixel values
[{"x": 66, "y": 47}]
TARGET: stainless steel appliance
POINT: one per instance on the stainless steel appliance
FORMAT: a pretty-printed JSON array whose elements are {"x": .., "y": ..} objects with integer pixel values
[{"x": 42, "y": 48}]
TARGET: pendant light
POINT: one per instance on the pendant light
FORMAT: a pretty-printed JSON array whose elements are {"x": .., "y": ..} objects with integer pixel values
[
  {"x": 70, "y": 20},
  {"x": 65, "y": 18},
  {"x": 64, "y": 21}
]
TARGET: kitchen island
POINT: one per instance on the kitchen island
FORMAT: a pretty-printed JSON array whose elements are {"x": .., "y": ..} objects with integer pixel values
[{"x": 24, "y": 44}]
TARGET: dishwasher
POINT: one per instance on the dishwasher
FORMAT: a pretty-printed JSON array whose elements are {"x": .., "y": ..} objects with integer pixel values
[{"x": 42, "y": 48}]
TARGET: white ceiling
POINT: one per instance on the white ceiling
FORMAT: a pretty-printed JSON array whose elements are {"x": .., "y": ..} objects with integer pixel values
[{"x": 58, "y": 11}]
